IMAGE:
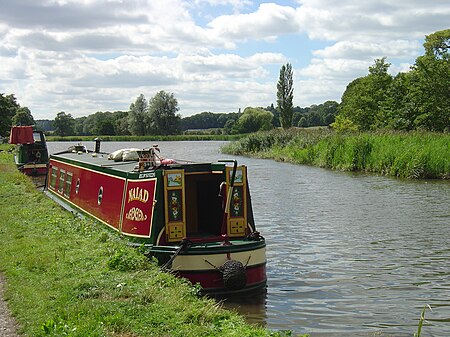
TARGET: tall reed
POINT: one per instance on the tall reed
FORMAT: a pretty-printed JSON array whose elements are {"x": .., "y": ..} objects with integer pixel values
[{"x": 414, "y": 155}]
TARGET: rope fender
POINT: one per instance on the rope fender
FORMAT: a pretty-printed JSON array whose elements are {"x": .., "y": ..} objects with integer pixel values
[{"x": 233, "y": 274}]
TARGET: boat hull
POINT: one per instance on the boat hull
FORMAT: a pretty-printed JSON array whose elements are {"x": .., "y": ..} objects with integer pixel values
[
  {"x": 203, "y": 265},
  {"x": 33, "y": 169},
  {"x": 211, "y": 281},
  {"x": 175, "y": 212}
]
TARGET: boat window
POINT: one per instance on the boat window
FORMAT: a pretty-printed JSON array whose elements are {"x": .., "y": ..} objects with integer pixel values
[
  {"x": 37, "y": 137},
  {"x": 100, "y": 195},
  {"x": 68, "y": 185},
  {"x": 62, "y": 177},
  {"x": 77, "y": 186},
  {"x": 53, "y": 177}
]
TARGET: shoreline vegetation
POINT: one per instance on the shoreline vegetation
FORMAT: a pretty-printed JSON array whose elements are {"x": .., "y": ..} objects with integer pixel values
[
  {"x": 68, "y": 276},
  {"x": 411, "y": 155}
]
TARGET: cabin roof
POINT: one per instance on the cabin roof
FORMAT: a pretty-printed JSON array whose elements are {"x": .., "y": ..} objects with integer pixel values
[{"x": 100, "y": 161}]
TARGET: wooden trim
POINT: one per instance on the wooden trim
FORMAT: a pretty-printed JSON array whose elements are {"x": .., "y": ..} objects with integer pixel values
[
  {"x": 237, "y": 225},
  {"x": 174, "y": 181}
]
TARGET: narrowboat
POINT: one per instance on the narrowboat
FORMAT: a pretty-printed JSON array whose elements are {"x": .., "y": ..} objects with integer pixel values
[
  {"x": 195, "y": 218},
  {"x": 31, "y": 156}
]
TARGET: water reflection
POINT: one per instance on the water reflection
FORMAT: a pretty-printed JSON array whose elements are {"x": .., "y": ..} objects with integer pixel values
[
  {"x": 348, "y": 254},
  {"x": 252, "y": 306}
]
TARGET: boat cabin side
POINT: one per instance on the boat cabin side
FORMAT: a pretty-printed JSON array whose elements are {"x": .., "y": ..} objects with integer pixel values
[{"x": 161, "y": 206}]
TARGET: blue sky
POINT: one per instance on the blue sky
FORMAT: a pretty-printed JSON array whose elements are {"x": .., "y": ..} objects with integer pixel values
[{"x": 84, "y": 56}]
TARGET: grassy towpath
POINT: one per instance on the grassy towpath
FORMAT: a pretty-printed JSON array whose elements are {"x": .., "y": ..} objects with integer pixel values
[
  {"x": 8, "y": 325},
  {"x": 67, "y": 276}
]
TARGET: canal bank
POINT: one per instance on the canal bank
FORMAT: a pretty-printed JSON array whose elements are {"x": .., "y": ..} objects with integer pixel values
[
  {"x": 69, "y": 276},
  {"x": 411, "y": 155}
]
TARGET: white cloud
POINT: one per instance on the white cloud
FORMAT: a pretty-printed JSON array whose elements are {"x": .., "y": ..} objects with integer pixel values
[
  {"x": 269, "y": 21},
  {"x": 360, "y": 32},
  {"x": 237, "y": 5},
  {"x": 372, "y": 20},
  {"x": 370, "y": 50},
  {"x": 82, "y": 56}
]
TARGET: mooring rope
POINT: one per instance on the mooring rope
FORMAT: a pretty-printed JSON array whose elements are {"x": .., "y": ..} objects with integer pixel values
[{"x": 185, "y": 243}]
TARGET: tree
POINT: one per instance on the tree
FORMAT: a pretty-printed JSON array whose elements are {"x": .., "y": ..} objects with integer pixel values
[
  {"x": 45, "y": 124},
  {"x": 252, "y": 120},
  {"x": 164, "y": 119},
  {"x": 363, "y": 97},
  {"x": 23, "y": 117},
  {"x": 100, "y": 123},
  {"x": 342, "y": 124},
  {"x": 429, "y": 90},
  {"x": 418, "y": 99},
  {"x": 81, "y": 126},
  {"x": 285, "y": 95},
  {"x": 397, "y": 112},
  {"x": 121, "y": 123},
  {"x": 324, "y": 113},
  {"x": 207, "y": 120},
  {"x": 228, "y": 127},
  {"x": 64, "y": 124},
  {"x": 303, "y": 122},
  {"x": 138, "y": 117},
  {"x": 203, "y": 120},
  {"x": 8, "y": 108}
]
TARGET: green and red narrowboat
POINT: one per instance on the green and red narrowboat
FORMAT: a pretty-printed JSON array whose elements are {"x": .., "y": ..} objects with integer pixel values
[
  {"x": 195, "y": 218},
  {"x": 31, "y": 156}
]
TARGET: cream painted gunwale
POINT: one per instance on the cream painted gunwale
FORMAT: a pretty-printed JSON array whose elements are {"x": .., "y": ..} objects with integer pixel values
[{"x": 198, "y": 262}]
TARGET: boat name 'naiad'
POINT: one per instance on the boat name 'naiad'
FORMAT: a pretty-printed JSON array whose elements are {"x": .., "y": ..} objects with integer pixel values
[{"x": 137, "y": 193}]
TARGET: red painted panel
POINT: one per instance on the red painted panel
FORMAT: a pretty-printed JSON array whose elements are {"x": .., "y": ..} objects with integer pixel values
[
  {"x": 30, "y": 171},
  {"x": 138, "y": 210},
  {"x": 90, "y": 183},
  {"x": 213, "y": 278},
  {"x": 21, "y": 135}
]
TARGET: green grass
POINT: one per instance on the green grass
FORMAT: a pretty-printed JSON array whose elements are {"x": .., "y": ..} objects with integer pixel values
[
  {"x": 68, "y": 276},
  {"x": 414, "y": 155}
]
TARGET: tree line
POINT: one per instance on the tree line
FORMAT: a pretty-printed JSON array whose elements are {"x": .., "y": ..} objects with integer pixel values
[
  {"x": 123, "y": 123},
  {"x": 11, "y": 113},
  {"x": 418, "y": 99}
]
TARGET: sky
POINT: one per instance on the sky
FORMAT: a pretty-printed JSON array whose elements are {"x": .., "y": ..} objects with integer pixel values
[{"x": 84, "y": 56}]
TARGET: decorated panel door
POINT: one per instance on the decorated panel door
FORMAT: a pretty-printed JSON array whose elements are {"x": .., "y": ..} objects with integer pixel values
[
  {"x": 138, "y": 204},
  {"x": 237, "y": 205},
  {"x": 175, "y": 211}
]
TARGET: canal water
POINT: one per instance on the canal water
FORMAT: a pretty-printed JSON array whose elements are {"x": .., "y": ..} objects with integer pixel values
[{"x": 348, "y": 254}]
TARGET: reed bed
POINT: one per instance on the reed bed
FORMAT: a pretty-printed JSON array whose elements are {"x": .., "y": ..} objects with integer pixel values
[{"x": 413, "y": 155}]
